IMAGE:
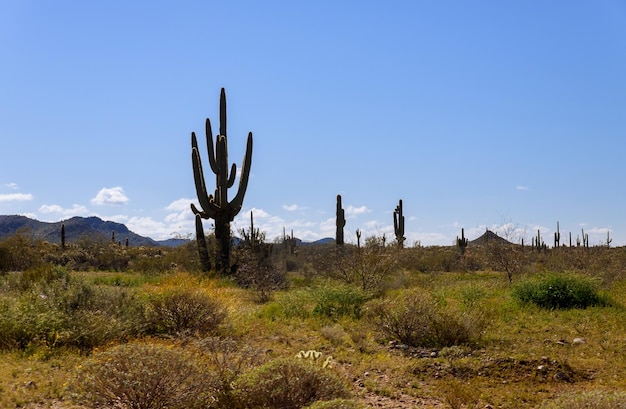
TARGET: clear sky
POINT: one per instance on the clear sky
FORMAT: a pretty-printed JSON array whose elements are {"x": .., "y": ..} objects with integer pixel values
[{"x": 507, "y": 115}]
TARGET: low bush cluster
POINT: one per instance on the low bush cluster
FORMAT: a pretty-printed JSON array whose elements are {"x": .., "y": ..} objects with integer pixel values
[
  {"x": 416, "y": 319},
  {"x": 559, "y": 291},
  {"x": 144, "y": 375},
  {"x": 184, "y": 312},
  {"x": 46, "y": 306},
  {"x": 288, "y": 383}
]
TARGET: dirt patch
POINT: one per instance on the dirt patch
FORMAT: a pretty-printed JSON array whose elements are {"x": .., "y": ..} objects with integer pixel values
[{"x": 505, "y": 370}]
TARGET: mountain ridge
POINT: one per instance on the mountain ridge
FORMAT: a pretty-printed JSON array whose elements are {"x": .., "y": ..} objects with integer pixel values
[
  {"x": 92, "y": 227},
  {"x": 76, "y": 228}
]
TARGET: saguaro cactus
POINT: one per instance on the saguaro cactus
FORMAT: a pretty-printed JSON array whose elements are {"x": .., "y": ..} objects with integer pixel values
[
  {"x": 557, "y": 236},
  {"x": 63, "y": 236},
  {"x": 217, "y": 206},
  {"x": 462, "y": 242},
  {"x": 398, "y": 224},
  {"x": 341, "y": 222}
]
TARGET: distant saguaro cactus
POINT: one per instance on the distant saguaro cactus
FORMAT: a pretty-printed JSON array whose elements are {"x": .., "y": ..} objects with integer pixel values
[
  {"x": 63, "y": 236},
  {"x": 398, "y": 224},
  {"x": 340, "y": 222},
  {"x": 217, "y": 206},
  {"x": 358, "y": 238},
  {"x": 462, "y": 242},
  {"x": 557, "y": 236}
]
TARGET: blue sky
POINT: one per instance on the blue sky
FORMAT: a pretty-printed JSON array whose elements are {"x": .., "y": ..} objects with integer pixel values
[{"x": 485, "y": 114}]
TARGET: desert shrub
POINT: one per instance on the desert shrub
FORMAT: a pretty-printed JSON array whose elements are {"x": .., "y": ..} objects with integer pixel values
[
  {"x": 588, "y": 400},
  {"x": 255, "y": 268},
  {"x": 47, "y": 307},
  {"x": 368, "y": 267},
  {"x": 227, "y": 359},
  {"x": 20, "y": 252},
  {"x": 333, "y": 301},
  {"x": 336, "y": 404},
  {"x": 415, "y": 319},
  {"x": 559, "y": 291},
  {"x": 142, "y": 376},
  {"x": 184, "y": 311},
  {"x": 287, "y": 384}
]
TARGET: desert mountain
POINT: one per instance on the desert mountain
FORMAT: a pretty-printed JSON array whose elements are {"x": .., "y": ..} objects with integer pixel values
[
  {"x": 76, "y": 228},
  {"x": 489, "y": 237}
]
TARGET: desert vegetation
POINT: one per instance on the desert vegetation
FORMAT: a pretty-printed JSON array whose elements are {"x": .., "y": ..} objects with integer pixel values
[{"x": 95, "y": 324}]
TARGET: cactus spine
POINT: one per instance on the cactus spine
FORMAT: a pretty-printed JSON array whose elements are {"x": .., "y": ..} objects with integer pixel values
[
  {"x": 462, "y": 242},
  {"x": 216, "y": 206},
  {"x": 398, "y": 224},
  {"x": 341, "y": 222}
]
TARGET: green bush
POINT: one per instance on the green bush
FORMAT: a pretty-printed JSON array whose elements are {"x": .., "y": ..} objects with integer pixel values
[
  {"x": 184, "y": 311},
  {"x": 559, "y": 291},
  {"x": 415, "y": 319},
  {"x": 287, "y": 384},
  {"x": 143, "y": 376},
  {"x": 335, "y": 301}
]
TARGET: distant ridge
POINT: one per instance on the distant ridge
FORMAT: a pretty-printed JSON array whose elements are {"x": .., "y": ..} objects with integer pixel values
[{"x": 77, "y": 228}]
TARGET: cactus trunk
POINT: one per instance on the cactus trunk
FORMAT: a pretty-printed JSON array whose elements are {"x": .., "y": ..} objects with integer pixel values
[{"x": 340, "y": 222}]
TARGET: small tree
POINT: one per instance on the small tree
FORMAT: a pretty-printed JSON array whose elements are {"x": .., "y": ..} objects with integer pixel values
[{"x": 255, "y": 268}]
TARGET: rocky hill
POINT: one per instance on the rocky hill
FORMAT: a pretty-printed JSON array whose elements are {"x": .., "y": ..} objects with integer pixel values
[{"x": 76, "y": 228}]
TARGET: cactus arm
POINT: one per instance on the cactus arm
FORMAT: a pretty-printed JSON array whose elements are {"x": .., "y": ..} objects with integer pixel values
[
  {"x": 245, "y": 175},
  {"x": 209, "y": 144},
  {"x": 231, "y": 177},
  {"x": 198, "y": 175},
  {"x": 223, "y": 112}
]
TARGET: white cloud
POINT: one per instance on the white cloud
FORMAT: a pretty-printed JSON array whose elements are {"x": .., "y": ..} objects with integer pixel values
[
  {"x": 520, "y": 187},
  {"x": 183, "y": 204},
  {"x": 353, "y": 211},
  {"x": 12, "y": 185},
  {"x": 14, "y": 197},
  {"x": 291, "y": 208},
  {"x": 75, "y": 210},
  {"x": 113, "y": 195}
]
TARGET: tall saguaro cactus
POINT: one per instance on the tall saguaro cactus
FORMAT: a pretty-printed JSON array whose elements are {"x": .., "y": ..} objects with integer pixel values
[
  {"x": 340, "y": 223},
  {"x": 398, "y": 224},
  {"x": 216, "y": 206}
]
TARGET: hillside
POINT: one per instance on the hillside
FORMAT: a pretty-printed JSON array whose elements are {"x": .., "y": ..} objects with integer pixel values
[{"x": 76, "y": 228}]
